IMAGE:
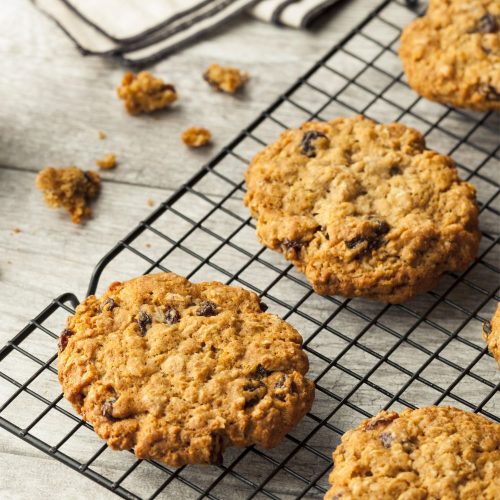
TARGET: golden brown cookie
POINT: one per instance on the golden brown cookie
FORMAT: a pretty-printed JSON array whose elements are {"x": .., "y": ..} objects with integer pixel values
[
  {"x": 452, "y": 54},
  {"x": 69, "y": 188},
  {"x": 145, "y": 93},
  {"x": 363, "y": 209},
  {"x": 179, "y": 371},
  {"x": 436, "y": 452},
  {"x": 491, "y": 334}
]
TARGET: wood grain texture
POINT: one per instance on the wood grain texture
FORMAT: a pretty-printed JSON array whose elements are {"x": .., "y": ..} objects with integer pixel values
[{"x": 53, "y": 102}]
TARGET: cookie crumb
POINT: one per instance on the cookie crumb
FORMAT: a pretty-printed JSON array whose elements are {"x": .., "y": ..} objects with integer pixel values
[
  {"x": 145, "y": 93},
  {"x": 102, "y": 135},
  {"x": 147, "y": 245},
  {"x": 108, "y": 162},
  {"x": 196, "y": 137},
  {"x": 225, "y": 78},
  {"x": 16, "y": 230},
  {"x": 150, "y": 202},
  {"x": 70, "y": 188}
]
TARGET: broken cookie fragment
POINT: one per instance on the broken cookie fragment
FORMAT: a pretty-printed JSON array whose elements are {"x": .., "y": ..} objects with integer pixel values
[
  {"x": 69, "y": 188},
  {"x": 145, "y": 93},
  {"x": 196, "y": 137},
  {"x": 108, "y": 162},
  {"x": 225, "y": 78}
]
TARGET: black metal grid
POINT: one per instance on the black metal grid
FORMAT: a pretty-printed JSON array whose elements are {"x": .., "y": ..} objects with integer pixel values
[{"x": 364, "y": 356}]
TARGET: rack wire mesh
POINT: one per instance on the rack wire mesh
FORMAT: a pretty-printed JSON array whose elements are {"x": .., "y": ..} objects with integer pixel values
[{"x": 364, "y": 356}]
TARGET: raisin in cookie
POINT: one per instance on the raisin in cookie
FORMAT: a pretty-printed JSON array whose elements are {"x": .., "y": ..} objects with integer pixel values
[
  {"x": 491, "y": 334},
  {"x": 429, "y": 453},
  {"x": 452, "y": 54},
  {"x": 179, "y": 371},
  {"x": 363, "y": 209}
]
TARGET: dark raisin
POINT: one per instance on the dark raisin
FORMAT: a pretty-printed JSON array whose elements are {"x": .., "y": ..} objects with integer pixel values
[
  {"x": 207, "y": 308},
  {"x": 487, "y": 327},
  {"x": 263, "y": 307},
  {"x": 381, "y": 227},
  {"x": 107, "y": 408},
  {"x": 281, "y": 382},
  {"x": 386, "y": 439},
  {"x": 172, "y": 315},
  {"x": 281, "y": 397},
  {"x": 109, "y": 304},
  {"x": 355, "y": 242},
  {"x": 144, "y": 321},
  {"x": 373, "y": 240},
  {"x": 253, "y": 387},
  {"x": 486, "y": 24},
  {"x": 260, "y": 372},
  {"x": 381, "y": 421},
  {"x": 293, "y": 388},
  {"x": 216, "y": 450},
  {"x": 491, "y": 93},
  {"x": 307, "y": 145},
  {"x": 251, "y": 402},
  {"x": 394, "y": 171},
  {"x": 293, "y": 244},
  {"x": 409, "y": 445},
  {"x": 63, "y": 339}
]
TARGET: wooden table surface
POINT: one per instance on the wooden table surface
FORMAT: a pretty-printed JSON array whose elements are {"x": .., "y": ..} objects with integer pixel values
[{"x": 53, "y": 102}]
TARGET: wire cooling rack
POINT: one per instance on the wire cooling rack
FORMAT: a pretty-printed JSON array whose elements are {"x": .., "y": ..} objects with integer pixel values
[{"x": 364, "y": 356}]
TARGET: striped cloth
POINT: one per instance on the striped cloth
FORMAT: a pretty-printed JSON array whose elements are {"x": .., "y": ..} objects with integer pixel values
[{"x": 139, "y": 32}]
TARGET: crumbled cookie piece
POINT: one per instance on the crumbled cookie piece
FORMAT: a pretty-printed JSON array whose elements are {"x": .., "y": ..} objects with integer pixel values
[
  {"x": 429, "y": 453},
  {"x": 70, "y": 188},
  {"x": 109, "y": 161},
  {"x": 180, "y": 371},
  {"x": 225, "y": 78},
  {"x": 16, "y": 230},
  {"x": 363, "y": 209},
  {"x": 144, "y": 93},
  {"x": 452, "y": 54},
  {"x": 150, "y": 202},
  {"x": 491, "y": 334},
  {"x": 196, "y": 137},
  {"x": 102, "y": 135}
]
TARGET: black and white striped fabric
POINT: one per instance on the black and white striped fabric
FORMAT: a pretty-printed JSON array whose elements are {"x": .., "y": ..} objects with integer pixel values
[{"x": 139, "y": 32}]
